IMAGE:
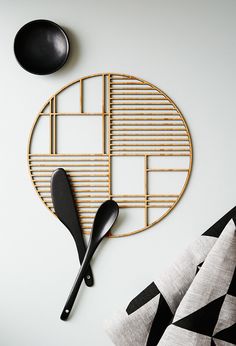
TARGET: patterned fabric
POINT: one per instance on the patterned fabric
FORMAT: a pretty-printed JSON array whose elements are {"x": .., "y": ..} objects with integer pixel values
[{"x": 191, "y": 304}]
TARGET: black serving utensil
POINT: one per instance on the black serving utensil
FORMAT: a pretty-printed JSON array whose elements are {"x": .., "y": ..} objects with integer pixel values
[
  {"x": 65, "y": 209},
  {"x": 104, "y": 220}
]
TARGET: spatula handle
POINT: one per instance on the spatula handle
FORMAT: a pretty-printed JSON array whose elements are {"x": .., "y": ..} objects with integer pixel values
[
  {"x": 75, "y": 289},
  {"x": 81, "y": 249}
]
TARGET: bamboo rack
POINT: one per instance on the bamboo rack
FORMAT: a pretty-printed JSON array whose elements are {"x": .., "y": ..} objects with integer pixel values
[{"x": 138, "y": 120}]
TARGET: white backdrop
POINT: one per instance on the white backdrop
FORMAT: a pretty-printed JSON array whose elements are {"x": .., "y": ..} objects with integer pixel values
[{"x": 187, "y": 48}]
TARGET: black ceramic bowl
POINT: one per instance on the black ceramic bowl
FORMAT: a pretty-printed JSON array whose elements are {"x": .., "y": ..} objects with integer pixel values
[{"x": 41, "y": 47}]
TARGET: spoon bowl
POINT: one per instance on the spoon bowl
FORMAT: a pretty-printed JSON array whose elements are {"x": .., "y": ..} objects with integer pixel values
[{"x": 104, "y": 220}]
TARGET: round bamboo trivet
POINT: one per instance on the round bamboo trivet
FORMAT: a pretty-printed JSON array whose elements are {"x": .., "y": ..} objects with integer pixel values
[{"x": 138, "y": 119}]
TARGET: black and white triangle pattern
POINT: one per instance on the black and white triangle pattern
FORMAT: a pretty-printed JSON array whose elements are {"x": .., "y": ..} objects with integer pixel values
[
  {"x": 213, "y": 291},
  {"x": 191, "y": 304},
  {"x": 204, "y": 321}
]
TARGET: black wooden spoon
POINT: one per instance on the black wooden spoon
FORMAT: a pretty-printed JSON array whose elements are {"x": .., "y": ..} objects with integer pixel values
[
  {"x": 104, "y": 220},
  {"x": 66, "y": 211}
]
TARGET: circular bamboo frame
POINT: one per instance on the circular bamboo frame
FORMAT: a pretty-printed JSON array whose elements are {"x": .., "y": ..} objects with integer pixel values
[{"x": 149, "y": 122}]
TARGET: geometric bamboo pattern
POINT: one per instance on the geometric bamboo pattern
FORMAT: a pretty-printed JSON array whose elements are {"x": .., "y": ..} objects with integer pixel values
[{"x": 138, "y": 119}]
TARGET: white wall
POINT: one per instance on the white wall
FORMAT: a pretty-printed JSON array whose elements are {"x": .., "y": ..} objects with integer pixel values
[{"x": 187, "y": 48}]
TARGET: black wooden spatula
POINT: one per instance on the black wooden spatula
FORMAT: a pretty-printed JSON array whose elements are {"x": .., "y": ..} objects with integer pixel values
[{"x": 66, "y": 211}]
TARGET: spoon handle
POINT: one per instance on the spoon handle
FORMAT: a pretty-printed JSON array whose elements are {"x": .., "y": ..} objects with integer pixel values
[{"x": 74, "y": 291}]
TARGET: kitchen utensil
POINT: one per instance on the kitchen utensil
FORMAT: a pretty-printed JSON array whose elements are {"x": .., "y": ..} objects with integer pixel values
[
  {"x": 104, "y": 220},
  {"x": 41, "y": 47},
  {"x": 66, "y": 211}
]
